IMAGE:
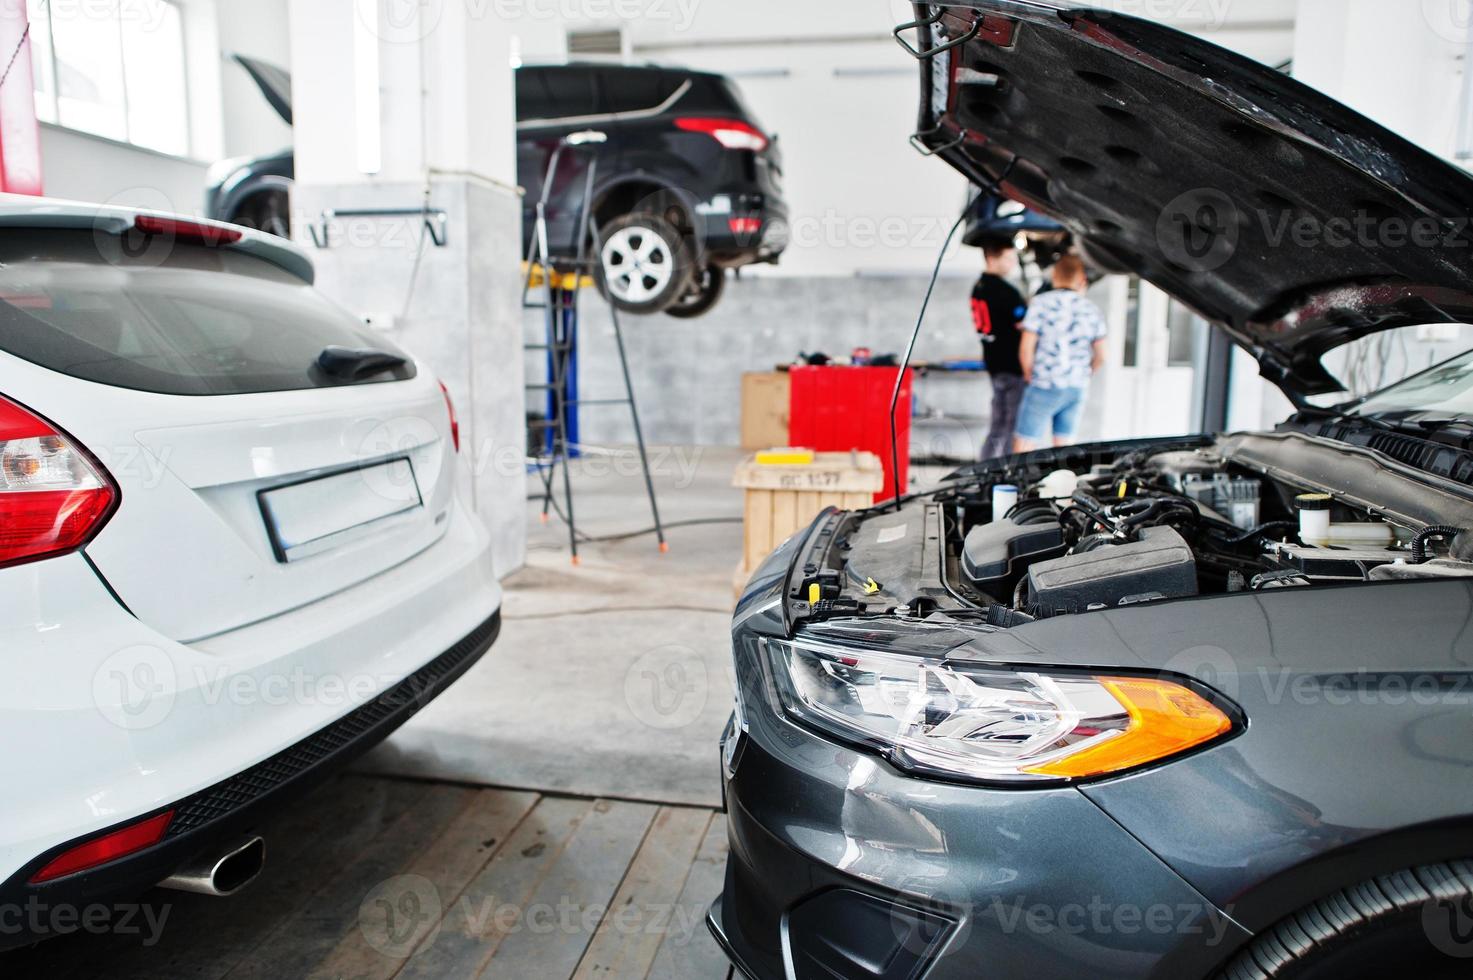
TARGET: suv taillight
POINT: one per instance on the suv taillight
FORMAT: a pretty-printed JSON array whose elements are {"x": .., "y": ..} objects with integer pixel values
[
  {"x": 53, "y": 496},
  {"x": 730, "y": 133}
]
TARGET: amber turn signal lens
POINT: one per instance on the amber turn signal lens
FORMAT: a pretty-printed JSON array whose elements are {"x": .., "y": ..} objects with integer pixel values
[{"x": 1166, "y": 719}]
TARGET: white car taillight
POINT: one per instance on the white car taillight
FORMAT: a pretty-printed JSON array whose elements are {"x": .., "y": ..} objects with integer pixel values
[
  {"x": 454, "y": 421},
  {"x": 53, "y": 496}
]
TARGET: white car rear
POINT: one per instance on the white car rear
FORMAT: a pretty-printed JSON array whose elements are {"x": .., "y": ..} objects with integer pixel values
[{"x": 231, "y": 549}]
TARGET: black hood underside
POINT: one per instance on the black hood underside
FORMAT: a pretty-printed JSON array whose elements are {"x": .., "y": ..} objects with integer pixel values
[{"x": 1284, "y": 217}]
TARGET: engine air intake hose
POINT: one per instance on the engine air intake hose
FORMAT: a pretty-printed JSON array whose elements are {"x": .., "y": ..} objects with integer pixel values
[{"x": 1427, "y": 534}]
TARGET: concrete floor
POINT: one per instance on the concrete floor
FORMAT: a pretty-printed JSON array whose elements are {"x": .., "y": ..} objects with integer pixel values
[{"x": 611, "y": 678}]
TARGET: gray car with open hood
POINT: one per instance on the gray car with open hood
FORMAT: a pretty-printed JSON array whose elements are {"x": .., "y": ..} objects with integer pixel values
[{"x": 1190, "y": 707}]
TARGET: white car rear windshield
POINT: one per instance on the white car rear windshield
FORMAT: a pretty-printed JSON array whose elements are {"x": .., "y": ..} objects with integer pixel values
[{"x": 177, "y": 319}]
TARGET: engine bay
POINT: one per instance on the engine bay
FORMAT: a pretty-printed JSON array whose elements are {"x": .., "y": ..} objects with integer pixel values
[{"x": 1025, "y": 541}]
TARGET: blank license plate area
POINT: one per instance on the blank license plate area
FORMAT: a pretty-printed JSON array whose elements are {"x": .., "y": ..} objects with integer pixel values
[{"x": 309, "y": 518}]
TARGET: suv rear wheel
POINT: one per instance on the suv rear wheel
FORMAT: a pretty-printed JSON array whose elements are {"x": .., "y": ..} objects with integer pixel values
[
  {"x": 706, "y": 287},
  {"x": 644, "y": 264}
]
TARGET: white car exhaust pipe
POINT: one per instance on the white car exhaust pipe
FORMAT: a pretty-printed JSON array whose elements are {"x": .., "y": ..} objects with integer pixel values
[{"x": 220, "y": 872}]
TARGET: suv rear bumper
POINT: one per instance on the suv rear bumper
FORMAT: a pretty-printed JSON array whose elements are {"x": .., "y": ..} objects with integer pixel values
[
  {"x": 742, "y": 228},
  {"x": 231, "y": 807}
]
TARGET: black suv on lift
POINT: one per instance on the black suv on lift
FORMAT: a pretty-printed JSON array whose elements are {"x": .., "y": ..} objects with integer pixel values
[{"x": 687, "y": 183}]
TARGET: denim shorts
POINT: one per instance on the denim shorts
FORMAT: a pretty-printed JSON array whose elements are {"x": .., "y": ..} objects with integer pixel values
[{"x": 1049, "y": 408}]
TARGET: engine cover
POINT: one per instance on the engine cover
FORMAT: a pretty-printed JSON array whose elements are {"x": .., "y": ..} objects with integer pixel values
[
  {"x": 995, "y": 555},
  {"x": 1158, "y": 566}
]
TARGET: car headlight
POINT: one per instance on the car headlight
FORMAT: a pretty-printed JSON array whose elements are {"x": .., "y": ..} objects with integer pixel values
[{"x": 990, "y": 724}]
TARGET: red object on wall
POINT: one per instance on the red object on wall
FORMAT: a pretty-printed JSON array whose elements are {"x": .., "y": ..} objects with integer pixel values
[
  {"x": 835, "y": 409},
  {"x": 20, "y": 134}
]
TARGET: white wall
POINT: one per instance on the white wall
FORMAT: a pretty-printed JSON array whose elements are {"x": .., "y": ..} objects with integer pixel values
[
  {"x": 258, "y": 29},
  {"x": 81, "y": 167}
]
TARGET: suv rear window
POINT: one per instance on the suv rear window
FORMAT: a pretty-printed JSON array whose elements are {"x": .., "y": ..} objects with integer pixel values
[
  {"x": 555, "y": 93},
  {"x": 637, "y": 89},
  {"x": 197, "y": 321}
]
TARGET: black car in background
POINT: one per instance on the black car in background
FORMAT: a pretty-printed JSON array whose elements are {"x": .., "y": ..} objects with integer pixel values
[{"x": 687, "y": 184}]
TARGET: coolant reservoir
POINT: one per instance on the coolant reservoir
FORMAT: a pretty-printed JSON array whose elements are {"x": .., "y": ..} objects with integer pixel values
[
  {"x": 1376, "y": 534},
  {"x": 1314, "y": 518},
  {"x": 1318, "y": 531},
  {"x": 1059, "y": 485}
]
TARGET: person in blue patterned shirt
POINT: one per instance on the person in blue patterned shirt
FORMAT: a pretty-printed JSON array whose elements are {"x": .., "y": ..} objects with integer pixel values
[{"x": 1063, "y": 346}]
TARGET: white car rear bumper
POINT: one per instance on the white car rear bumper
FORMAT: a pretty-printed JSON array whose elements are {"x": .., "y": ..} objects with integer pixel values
[{"x": 106, "y": 720}]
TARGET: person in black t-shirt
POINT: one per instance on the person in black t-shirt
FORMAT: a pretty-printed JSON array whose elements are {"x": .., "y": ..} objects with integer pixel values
[{"x": 997, "y": 309}]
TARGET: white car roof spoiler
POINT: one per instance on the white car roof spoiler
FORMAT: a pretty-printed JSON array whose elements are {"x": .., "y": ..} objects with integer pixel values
[{"x": 21, "y": 211}]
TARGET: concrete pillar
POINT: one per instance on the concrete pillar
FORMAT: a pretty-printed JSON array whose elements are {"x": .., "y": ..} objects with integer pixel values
[{"x": 398, "y": 104}]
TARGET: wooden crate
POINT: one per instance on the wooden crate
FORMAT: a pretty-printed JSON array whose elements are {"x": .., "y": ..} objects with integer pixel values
[
  {"x": 765, "y": 409},
  {"x": 782, "y": 499}
]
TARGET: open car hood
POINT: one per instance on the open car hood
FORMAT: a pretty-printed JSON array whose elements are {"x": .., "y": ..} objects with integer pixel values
[
  {"x": 1284, "y": 217},
  {"x": 274, "y": 82}
]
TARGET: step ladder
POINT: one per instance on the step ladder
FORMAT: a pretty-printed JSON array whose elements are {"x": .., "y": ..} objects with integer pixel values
[{"x": 554, "y": 440}]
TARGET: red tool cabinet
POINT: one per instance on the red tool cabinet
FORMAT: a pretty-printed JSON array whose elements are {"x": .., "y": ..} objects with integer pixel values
[{"x": 835, "y": 409}]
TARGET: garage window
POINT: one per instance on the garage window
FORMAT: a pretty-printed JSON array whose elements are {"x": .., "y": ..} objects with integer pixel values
[
  {"x": 196, "y": 321},
  {"x": 112, "y": 68}
]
